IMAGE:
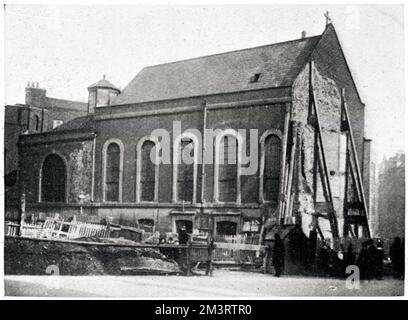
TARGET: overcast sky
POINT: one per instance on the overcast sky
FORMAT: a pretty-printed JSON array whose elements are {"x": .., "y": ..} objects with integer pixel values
[{"x": 66, "y": 49}]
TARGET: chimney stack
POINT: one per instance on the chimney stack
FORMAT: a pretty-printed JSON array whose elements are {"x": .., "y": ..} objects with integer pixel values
[
  {"x": 303, "y": 34},
  {"x": 34, "y": 95}
]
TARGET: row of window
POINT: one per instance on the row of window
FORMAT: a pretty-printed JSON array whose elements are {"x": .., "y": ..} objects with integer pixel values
[
  {"x": 226, "y": 173},
  {"x": 227, "y": 182}
]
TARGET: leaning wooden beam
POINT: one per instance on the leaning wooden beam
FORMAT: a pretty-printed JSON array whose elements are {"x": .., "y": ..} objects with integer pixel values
[
  {"x": 346, "y": 178},
  {"x": 333, "y": 220},
  {"x": 283, "y": 159},
  {"x": 355, "y": 158},
  {"x": 289, "y": 179}
]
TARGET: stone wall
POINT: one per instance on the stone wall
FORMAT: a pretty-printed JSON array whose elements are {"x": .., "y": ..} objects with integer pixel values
[
  {"x": 328, "y": 101},
  {"x": 78, "y": 158}
]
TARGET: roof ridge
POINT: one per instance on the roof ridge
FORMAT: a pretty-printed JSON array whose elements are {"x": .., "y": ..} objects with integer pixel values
[
  {"x": 76, "y": 101},
  {"x": 232, "y": 51}
]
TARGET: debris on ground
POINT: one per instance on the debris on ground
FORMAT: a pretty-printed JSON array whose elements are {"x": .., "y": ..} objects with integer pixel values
[{"x": 33, "y": 256}]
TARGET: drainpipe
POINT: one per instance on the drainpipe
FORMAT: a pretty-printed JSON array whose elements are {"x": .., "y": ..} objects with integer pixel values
[
  {"x": 203, "y": 151},
  {"x": 93, "y": 170}
]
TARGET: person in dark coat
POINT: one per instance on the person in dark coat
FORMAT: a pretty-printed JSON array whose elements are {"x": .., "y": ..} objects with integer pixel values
[
  {"x": 363, "y": 260},
  {"x": 183, "y": 235},
  {"x": 350, "y": 256},
  {"x": 372, "y": 253},
  {"x": 323, "y": 260},
  {"x": 278, "y": 255},
  {"x": 397, "y": 258},
  {"x": 183, "y": 238},
  {"x": 210, "y": 248},
  {"x": 379, "y": 261}
]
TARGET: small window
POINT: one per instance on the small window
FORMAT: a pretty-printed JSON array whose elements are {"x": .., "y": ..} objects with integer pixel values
[{"x": 255, "y": 77}]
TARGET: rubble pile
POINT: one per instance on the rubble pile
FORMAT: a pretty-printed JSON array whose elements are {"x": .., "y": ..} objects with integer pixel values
[{"x": 37, "y": 257}]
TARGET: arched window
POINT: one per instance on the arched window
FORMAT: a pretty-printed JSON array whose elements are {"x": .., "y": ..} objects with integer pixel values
[
  {"x": 270, "y": 166},
  {"x": 227, "y": 182},
  {"x": 53, "y": 179},
  {"x": 37, "y": 123},
  {"x": 147, "y": 170},
  {"x": 185, "y": 158},
  {"x": 147, "y": 173},
  {"x": 113, "y": 168}
]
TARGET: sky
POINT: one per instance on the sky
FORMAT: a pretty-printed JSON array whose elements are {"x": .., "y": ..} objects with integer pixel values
[{"x": 67, "y": 48}]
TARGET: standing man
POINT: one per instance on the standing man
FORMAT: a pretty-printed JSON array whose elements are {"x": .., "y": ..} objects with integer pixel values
[
  {"x": 397, "y": 258},
  {"x": 379, "y": 261},
  {"x": 183, "y": 238},
  {"x": 278, "y": 257},
  {"x": 211, "y": 247}
]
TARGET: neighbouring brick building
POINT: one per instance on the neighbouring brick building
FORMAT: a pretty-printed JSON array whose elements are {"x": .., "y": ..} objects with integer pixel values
[
  {"x": 39, "y": 114},
  {"x": 101, "y": 162}
]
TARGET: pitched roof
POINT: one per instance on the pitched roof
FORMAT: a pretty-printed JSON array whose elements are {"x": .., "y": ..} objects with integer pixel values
[
  {"x": 85, "y": 123},
  {"x": 103, "y": 83},
  {"x": 67, "y": 104},
  {"x": 277, "y": 65}
]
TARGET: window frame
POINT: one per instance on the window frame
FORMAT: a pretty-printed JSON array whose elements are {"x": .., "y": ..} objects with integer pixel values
[
  {"x": 176, "y": 152},
  {"x": 262, "y": 141},
  {"x": 104, "y": 168},
  {"x": 139, "y": 146},
  {"x": 218, "y": 139}
]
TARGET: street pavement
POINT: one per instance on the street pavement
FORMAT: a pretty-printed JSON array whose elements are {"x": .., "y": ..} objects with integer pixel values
[{"x": 223, "y": 283}]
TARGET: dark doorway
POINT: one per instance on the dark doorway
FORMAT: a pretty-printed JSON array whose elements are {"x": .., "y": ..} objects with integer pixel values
[{"x": 188, "y": 224}]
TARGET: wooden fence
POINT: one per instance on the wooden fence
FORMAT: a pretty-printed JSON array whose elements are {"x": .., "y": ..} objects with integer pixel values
[
  {"x": 237, "y": 249},
  {"x": 53, "y": 228}
]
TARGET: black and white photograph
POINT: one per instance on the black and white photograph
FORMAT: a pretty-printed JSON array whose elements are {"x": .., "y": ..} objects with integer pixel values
[{"x": 207, "y": 151}]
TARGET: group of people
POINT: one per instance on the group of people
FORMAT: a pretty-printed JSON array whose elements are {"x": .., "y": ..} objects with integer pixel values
[{"x": 370, "y": 260}]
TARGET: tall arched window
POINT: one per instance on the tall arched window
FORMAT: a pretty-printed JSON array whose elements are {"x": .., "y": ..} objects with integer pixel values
[
  {"x": 112, "y": 172},
  {"x": 53, "y": 179},
  {"x": 270, "y": 166},
  {"x": 147, "y": 173},
  {"x": 227, "y": 170},
  {"x": 147, "y": 170},
  {"x": 185, "y": 159},
  {"x": 37, "y": 123},
  {"x": 113, "y": 168}
]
